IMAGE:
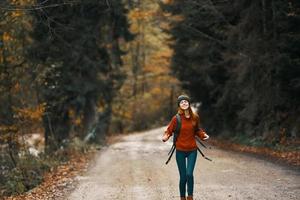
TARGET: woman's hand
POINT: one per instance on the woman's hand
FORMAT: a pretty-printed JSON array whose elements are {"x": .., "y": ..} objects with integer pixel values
[
  {"x": 202, "y": 135},
  {"x": 165, "y": 138},
  {"x": 205, "y": 136}
]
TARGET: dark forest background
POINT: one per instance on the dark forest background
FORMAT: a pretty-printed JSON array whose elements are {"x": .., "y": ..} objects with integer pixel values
[
  {"x": 241, "y": 60},
  {"x": 74, "y": 71}
]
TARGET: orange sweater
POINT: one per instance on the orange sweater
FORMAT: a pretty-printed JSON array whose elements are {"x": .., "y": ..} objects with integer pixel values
[{"x": 186, "y": 140}]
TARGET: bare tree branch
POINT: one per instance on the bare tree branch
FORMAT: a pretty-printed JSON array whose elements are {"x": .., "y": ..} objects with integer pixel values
[
  {"x": 35, "y": 7},
  {"x": 42, "y": 6}
]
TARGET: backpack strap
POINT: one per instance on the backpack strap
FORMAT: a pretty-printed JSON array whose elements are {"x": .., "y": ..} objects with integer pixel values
[
  {"x": 177, "y": 129},
  {"x": 203, "y": 154},
  {"x": 175, "y": 136}
]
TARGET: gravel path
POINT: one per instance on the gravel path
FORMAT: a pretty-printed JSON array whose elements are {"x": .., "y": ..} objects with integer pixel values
[{"x": 134, "y": 168}]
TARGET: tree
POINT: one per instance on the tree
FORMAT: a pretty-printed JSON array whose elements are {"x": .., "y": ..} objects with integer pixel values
[
  {"x": 78, "y": 62},
  {"x": 146, "y": 99},
  {"x": 236, "y": 58}
]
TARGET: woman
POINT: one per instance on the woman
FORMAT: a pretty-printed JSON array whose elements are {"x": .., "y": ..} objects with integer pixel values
[{"x": 186, "y": 147}]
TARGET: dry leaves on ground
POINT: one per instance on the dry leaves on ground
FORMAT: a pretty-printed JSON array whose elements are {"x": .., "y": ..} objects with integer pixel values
[
  {"x": 290, "y": 157},
  {"x": 58, "y": 181}
]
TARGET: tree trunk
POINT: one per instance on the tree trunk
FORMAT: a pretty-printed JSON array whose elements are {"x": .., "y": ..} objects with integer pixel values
[
  {"x": 89, "y": 115},
  {"x": 103, "y": 122},
  {"x": 274, "y": 20},
  {"x": 264, "y": 21}
]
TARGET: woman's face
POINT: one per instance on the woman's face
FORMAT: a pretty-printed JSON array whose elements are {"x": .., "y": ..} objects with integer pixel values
[{"x": 184, "y": 104}]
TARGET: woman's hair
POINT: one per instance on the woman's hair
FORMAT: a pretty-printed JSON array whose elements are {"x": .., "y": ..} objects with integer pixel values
[{"x": 194, "y": 115}]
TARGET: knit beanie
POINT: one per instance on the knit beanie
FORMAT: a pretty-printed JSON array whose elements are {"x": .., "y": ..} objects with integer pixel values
[{"x": 183, "y": 97}]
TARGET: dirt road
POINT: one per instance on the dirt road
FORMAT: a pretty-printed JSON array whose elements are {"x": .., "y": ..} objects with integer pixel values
[{"x": 134, "y": 168}]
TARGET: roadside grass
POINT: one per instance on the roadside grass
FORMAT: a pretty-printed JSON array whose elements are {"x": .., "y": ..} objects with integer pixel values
[
  {"x": 287, "y": 152},
  {"x": 27, "y": 171}
]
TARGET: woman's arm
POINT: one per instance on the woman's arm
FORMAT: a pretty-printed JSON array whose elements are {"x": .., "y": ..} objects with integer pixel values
[
  {"x": 171, "y": 128},
  {"x": 202, "y": 134}
]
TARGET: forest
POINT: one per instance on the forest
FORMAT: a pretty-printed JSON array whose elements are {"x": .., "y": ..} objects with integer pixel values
[
  {"x": 73, "y": 72},
  {"x": 241, "y": 60}
]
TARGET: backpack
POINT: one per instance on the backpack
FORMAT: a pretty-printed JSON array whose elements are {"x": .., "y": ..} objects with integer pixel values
[{"x": 175, "y": 136}]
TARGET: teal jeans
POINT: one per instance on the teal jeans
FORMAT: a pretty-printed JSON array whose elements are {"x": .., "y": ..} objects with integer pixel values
[{"x": 186, "y": 170}]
